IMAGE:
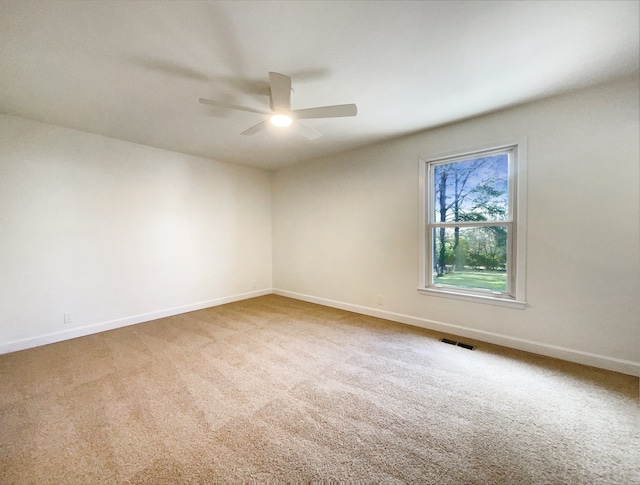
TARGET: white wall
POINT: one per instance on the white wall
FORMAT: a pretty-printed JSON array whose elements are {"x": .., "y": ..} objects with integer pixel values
[
  {"x": 119, "y": 233},
  {"x": 345, "y": 229}
]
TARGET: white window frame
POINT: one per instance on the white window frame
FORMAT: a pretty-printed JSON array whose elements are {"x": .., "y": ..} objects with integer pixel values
[{"x": 516, "y": 223}]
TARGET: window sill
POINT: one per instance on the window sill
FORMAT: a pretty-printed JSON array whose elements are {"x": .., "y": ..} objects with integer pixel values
[{"x": 476, "y": 298}]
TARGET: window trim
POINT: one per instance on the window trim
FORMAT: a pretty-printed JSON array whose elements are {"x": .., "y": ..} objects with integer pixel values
[{"x": 516, "y": 255}]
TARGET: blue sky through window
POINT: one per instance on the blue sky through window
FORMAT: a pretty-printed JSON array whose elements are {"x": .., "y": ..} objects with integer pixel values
[{"x": 472, "y": 190}]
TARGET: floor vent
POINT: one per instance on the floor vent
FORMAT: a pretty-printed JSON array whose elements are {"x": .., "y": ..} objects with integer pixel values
[
  {"x": 459, "y": 344},
  {"x": 465, "y": 346}
]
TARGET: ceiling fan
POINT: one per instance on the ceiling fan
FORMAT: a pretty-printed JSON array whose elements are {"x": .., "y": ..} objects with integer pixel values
[{"x": 281, "y": 113}]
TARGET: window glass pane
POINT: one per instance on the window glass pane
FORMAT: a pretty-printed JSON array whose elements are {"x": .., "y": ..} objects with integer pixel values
[
  {"x": 471, "y": 190},
  {"x": 470, "y": 257}
]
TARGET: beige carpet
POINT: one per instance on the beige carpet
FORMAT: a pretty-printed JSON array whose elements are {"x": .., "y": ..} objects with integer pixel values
[{"x": 273, "y": 390}]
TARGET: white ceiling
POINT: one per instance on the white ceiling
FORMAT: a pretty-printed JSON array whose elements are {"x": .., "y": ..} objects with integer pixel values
[{"x": 135, "y": 70}]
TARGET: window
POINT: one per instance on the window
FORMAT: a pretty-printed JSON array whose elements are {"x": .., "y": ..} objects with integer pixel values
[{"x": 473, "y": 225}]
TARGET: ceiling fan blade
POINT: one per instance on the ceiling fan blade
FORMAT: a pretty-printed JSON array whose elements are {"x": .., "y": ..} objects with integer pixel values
[
  {"x": 256, "y": 128},
  {"x": 280, "y": 86},
  {"x": 220, "y": 104},
  {"x": 307, "y": 131},
  {"x": 336, "y": 111}
]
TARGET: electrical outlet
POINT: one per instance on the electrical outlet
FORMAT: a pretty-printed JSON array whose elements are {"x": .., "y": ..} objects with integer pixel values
[
  {"x": 68, "y": 318},
  {"x": 380, "y": 300}
]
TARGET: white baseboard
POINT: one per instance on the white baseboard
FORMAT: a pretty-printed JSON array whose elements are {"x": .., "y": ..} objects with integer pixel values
[
  {"x": 50, "y": 338},
  {"x": 563, "y": 353}
]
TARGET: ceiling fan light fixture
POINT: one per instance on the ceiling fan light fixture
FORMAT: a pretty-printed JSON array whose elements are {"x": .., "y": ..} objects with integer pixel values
[
  {"x": 280, "y": 120},
  {"x": 281, "y": 114}
]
